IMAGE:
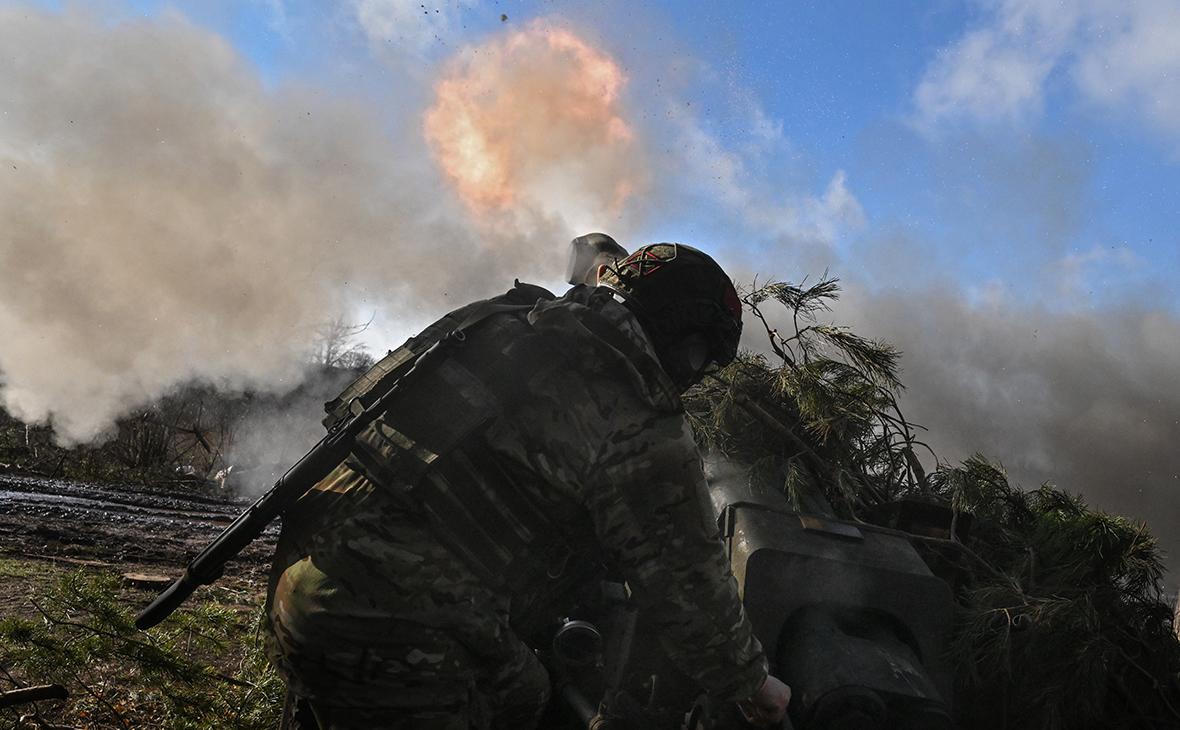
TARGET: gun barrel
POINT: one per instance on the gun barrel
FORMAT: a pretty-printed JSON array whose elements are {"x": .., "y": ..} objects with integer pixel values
[
  {"x": 167, "y": 602},
  {"x": 307, "y": 472},
  {"x": 207, "y": 566}
]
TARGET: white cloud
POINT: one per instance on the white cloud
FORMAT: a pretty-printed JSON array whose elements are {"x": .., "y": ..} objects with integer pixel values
[
  {"x": 412, "y": 26},
  {"x": 985, "y": 76},
  {"x": 726, "y": 173},
  {"x": 829, "y": 215},
  {"x": 720, "y": 171},
  {"x": 1118, "y": 55},
  {"x": 280, "y": 21},
  {"x": 1080, "y": 272},
  {"x": 1135, "y": 62}
]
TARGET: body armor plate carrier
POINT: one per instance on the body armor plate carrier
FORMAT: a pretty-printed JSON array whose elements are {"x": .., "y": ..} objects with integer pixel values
[{"x": 452, "y": 381}]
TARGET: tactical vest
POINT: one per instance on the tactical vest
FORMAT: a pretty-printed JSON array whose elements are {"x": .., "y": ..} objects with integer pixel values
[
  {"x": 452, "y": 381},
  {"x": 380, "y": 378}
]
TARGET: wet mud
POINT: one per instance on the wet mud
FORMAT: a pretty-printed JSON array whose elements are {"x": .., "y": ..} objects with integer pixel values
[{"x": 118, "y": 525}]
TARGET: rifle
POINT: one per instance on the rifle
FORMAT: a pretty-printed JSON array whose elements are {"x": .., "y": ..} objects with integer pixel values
[
  {"x": 368, "y": 396},
  {"x": 316, "y": 464},
  {"x": 350, "y": 415}
]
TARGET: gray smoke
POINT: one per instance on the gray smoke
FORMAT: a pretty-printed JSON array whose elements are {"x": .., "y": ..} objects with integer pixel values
[
  {"x": 276, "y": 431},
  {"x": 166, "y": 217},
  {"x": 1086, "y": 401}
]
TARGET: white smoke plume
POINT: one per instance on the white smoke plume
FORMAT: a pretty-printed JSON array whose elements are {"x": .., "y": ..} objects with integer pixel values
[
  {"x": 166, "y": 217},
  {"x": 275, "y": 432}
]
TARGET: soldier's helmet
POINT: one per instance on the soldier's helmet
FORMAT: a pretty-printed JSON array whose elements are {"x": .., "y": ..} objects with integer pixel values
[{"x": 685, "y": 303}]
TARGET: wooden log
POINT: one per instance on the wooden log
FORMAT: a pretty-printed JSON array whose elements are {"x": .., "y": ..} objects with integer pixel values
[
  {"x": 25, "y": 695},
  {"x": 146, "y": 580}
]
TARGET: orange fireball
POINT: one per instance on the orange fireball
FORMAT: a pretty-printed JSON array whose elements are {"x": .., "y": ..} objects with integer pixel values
[{"x": 534, "y": 119}]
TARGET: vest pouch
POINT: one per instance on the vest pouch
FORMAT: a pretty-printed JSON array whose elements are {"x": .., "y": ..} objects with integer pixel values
[{"x": 428, "y": 448}]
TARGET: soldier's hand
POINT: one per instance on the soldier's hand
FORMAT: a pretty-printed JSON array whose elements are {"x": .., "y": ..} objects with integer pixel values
[{"x": 767, "y": 706}]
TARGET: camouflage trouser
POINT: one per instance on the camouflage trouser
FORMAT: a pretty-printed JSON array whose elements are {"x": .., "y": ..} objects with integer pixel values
[{"x": 378, "y": 626}]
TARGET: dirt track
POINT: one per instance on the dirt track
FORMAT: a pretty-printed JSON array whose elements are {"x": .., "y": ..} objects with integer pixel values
[{"x": 119, "y": 526}]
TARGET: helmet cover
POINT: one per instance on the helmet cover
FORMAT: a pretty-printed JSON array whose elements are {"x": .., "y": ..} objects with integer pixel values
[{"x": 679, "y": 293}]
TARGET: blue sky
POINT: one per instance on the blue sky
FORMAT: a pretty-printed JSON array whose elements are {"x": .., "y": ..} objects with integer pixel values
[
  {"x": 840, "y": 80},
  {"x": 997, "y": 182}
]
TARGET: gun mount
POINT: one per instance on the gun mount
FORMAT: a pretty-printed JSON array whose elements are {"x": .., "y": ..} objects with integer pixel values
[
  {"x": 851, "y": 617},
  {"x": 849, "y": 613}
]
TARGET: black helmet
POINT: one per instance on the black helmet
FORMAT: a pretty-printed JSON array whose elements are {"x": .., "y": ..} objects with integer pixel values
[{"x": 686, "y": 304}]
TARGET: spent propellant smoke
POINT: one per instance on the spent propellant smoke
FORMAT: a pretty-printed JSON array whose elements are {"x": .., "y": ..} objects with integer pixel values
[
  {"x": 166, "y": 217},
  {"x": 1085, "y": 401},
  {"x": 276, "y": 431}
]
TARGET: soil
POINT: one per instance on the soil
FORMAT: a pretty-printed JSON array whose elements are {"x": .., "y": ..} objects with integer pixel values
[{"x": 118, "y": 527}]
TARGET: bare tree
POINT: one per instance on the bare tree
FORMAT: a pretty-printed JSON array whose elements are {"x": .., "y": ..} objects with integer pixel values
[{"x": 336, "y": 346}]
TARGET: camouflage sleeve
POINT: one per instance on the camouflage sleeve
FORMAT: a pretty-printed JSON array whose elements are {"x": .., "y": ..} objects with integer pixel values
[{"x": 649, "y": 501}]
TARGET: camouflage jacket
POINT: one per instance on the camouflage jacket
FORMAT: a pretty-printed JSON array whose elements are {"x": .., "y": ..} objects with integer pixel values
[{"x": 601, "y": 445}]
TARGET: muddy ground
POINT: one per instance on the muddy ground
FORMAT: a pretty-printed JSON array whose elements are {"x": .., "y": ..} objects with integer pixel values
[
  {"x": 50, "y": 527},
  {"x": 122, "y": 528}
]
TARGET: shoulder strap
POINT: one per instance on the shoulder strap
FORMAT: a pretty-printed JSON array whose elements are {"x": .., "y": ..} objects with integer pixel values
[{"x": 378, "y": 380}]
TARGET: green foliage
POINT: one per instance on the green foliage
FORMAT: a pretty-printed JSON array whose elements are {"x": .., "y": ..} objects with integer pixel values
[
  {"x": 823, "y": 416},
  {"x": 1060, "y": 618},
  {"x": 204, "y": 668},
  {"x": 1066, "y": 627}
]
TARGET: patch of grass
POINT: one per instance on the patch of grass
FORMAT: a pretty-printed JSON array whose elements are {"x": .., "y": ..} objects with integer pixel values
[
  {"x": 203, "y": 668},
  {"x": 18, "y": 569}
]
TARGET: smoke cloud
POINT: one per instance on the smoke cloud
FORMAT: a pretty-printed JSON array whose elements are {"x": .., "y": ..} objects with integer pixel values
[
  {"x": 1086, "y": 402},
  {"x": 166, "y": 217},
  {"x": 276, "y": 432}
]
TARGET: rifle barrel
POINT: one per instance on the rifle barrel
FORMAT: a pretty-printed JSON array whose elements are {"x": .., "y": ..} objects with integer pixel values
[
  {"x": 207, "y": 566},
  {"x": 316, "y": 464}
]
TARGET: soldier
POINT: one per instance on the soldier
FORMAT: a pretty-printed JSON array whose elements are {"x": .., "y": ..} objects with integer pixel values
[{"x": 541, "y": 437}]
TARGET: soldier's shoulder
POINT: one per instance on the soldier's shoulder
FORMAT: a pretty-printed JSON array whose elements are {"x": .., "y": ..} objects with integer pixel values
[{"x": 599, "y": 337}]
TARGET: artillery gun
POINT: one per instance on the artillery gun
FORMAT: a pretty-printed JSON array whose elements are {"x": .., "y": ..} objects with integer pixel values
[{"x": 851, "y": 617}]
